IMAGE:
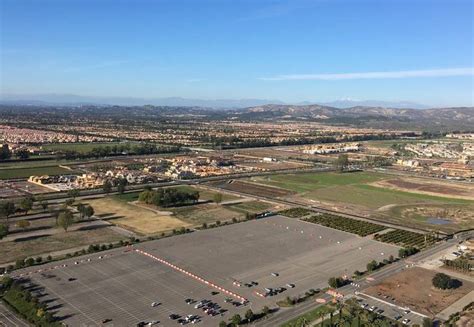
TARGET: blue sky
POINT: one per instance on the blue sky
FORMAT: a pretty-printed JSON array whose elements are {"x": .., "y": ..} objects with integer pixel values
[{"x": 412, "y": 50}]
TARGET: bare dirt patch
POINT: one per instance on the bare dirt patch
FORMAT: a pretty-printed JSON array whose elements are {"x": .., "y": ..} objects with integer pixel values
[
  {"x": 428, "y": 187},
  {"x": 11, "y": 251},
  {"x": 136, "y": 218},
  {"x": 254, "y": 189},
  {"x": 413, "y": 288}
]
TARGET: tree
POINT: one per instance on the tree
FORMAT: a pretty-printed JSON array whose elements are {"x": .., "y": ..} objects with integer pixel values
[
  {"x": 249, "y": 315},
  {"x": 218, "y": 198},
  {"x": 23, "y": 224},
  {"x": 3, "y": 230},
  {"x": 121, "y": 188},
  {"x": 336, "y": 282},
  {"x": 444, "y": 282},
  {"x": 22, "y": 154},
  {"x": 7, "y": 209},
  {"x": 44, "y": 204},
  {"x": 88, "y": 211},
  {"x": 5, "y": 152},
  {"x": 80, "y": 207},
  {"x": 26, "y": 204},
  {"x": 65, "y": 219},
  {"x": 427, "y": 322},
  {"x": 371, "y": 266},
  {"x": 222, "y": 324},
  {"x": 74, "y": 193},
  {"x": 236, "y": 319},
  {"x": 122, "y": 182},
  {"x": 406, "y": 252},
  {"x": 107, "y": 187},
  {"x": 342, "y": 162},
  {"x": 266, "y": 310}
]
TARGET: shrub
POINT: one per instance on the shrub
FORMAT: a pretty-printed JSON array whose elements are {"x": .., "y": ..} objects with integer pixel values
[{"x": 444, "y": 282}]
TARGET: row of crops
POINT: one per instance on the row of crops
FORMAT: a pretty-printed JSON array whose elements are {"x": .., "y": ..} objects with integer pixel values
[
  {"x": 406, "y": 238},
  {"x": 359, "y": 227},
  {"x": 295, "y": 212}
]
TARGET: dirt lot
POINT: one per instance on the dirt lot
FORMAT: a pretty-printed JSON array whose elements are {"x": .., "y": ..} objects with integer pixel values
[
  {"x": 206, "y": 213},
  {"x": 444, "y": 189},
  {"x": 274, "y": 165},
  {"x": 254, "y": 189},
  {"x": 135, "y": 218},
  {"x": 11, "y": 251},
  {"x": 413, "y": 288}
]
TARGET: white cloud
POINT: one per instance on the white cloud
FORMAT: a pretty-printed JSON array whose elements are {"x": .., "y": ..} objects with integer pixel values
[{"x": 375, "y": 75}]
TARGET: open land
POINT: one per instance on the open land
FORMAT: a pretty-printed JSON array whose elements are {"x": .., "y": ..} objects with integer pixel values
[
  {"x": 8, "y": 173},
  {"x": 122, "y": 285},
  {"x": 136, "y": 218},
  {"x": 33, "y": 246},
  {"x": 124, "y": 211},
  {"x": 412, "y": 288},
  {"x": 355, "y": 193}
]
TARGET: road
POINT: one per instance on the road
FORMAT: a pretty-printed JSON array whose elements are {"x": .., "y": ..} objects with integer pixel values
[{"x": 287, "y": 314}]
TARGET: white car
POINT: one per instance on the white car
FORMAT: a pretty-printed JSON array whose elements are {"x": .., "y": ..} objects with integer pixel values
[
  {"x": 155, "y": 304},
  {"x": 405, "y": 321},
  {"x": 290, "y": 285}
]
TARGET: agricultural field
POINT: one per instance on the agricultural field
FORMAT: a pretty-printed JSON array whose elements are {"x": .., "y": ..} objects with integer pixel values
[
  {"x": 406, "y": 238},
  {"x": 296, "y": 212},
  {"x": 252, "y": 188},
  {"x": 9, "y": 173},
  {"x": 251, "y": 206},
  {"x": 361, "y": 228},
  {"x": 368, "y": 194},
  {"x": 33, "y": 246}
]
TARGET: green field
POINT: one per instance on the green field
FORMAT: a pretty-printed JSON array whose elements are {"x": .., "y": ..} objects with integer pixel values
[
  {"x": 354, "y": 190},
  {"x": 8, "y": 173},
  {"x": 79, "y": 147},
  {"x": 351, "y": 188},
  {"x": 251, "y": 206}
]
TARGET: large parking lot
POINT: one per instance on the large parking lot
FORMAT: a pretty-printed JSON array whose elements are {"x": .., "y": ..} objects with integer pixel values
[{"x": 122, "y": 285}]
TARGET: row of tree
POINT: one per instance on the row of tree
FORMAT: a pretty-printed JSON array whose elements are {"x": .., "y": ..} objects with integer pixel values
[
  {"x": 168, "y": 197},
  {"x": 120, "y": 149},
  {"x": 6, "y": 154}
]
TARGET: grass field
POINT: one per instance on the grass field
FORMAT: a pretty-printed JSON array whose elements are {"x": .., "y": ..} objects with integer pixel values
[
  {"x": 8, "y": 173},
  {"x": 138, "y": 219},
  {"x": 353, "y": 192},
  {"x": 11, "y": 251},
  {"x": 251, "y": 206}
]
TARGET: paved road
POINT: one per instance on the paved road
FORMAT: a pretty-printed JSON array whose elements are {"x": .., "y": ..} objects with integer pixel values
[{"x": 9, "y": 319}]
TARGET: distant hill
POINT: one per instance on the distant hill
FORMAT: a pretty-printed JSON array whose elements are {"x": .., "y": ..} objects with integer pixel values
[
  {"x": 381, "y": 117},
  {"x": 78, "y": 100}
]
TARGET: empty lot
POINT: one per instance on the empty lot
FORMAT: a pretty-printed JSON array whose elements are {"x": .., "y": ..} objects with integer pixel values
[{"x": 122, "y": 285}]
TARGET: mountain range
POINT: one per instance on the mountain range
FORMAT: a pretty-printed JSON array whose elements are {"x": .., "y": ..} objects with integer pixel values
[{"x": 78, "y": 100}]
